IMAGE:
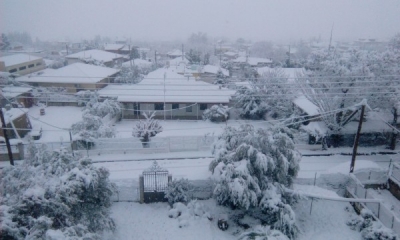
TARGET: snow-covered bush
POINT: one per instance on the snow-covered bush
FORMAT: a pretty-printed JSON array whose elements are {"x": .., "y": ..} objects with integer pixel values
[
  {"x": 183, "y": 212},
  {"x": 53, "y": 195},
  {"x": 179, "y": 191},
  {"x": 369, "y": 228},
  {"x": 263, "y": 233},
  {"x": 217, "y": 113},
  {"x": 147, "y": 128},
  {"x": 93, "y": 105},
  {"x": 252, "y": 168},
  {"x": 92, "y": 127}
]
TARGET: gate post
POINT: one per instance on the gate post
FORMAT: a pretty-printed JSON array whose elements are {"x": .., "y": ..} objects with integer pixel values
[
  {"x": 141, "y": 189},
  {"x": 169, "y": 178}
]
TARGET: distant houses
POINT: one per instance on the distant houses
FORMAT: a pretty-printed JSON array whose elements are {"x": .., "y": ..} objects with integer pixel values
[
  {"x": 184, "y": 98},
  {"x": 21, "y": 64},
  {"x": 75, "y": 77},
  {"x": 108, "y": 59}
]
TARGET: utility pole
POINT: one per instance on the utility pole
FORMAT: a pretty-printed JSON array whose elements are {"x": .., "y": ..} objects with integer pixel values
[
  {"x": 330, "y": 40},
  {"x": 182, "y": 52},
  {"x": 3, "y": 122},
  {"x": 155, "y": 57},
  {"x": 357, "y": 138},
  {"x": 165, "y": 75}
]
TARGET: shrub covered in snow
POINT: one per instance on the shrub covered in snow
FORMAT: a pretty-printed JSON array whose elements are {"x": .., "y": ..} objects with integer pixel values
[
  {"x": 183, "y": 212},
  {"x": 217, "y": 113},
  {"x": 147, "y": 128},
  {"x": 369, "y": 228},
  {"x": 53, "y": 195},
  {"x": 252, "y": 168},
  {"x": 179, "y": 191},
  {"x": 263, "y": 233}
]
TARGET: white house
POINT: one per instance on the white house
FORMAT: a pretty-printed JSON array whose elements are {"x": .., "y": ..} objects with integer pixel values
[
  {"x": 74, "y": 77},
  {"x": 21, "y": 64},
  {"x": 107, "y": 58},
  {"x": 175, "y": 97},
  {"x": 253, "y": 61}
]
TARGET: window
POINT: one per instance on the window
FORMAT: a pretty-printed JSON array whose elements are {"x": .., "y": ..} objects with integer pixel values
[
  {"x": 22, "y": 68},
  {"x": 38, "y": 64},
  {"x": 158, "y": 106},
  {"x": 12, "y": 70},
  {"x": 175, "y": 105},
  {"x": 31, "y": 65},
  {"x": 189, "y": 107},
  {"x": 203, "y": 106}
]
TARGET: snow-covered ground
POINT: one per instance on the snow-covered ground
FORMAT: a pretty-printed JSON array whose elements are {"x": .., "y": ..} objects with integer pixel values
[{"x": 326, "y": 221}]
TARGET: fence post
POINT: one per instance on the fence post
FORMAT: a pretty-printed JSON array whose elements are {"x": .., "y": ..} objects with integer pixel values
[
  {"x": 141, "y": 189},
  {"x": 392, "y": 221},
  {"x": 366, "y": 190},
  {"x": 20, "y": 147},
  {"x": 379, "y": 209},
  {"x": 369, "y": 176}
]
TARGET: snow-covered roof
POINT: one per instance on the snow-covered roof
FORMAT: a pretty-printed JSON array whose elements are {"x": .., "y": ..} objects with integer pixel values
[
  {"x": 178, "y": 61},
  {"x": 96, "y": 54},
  {"x": 113, "y": 46},
  {"x": 177, "y": 89},
  {"x": 138, "y": 62},
  {"x": 11, "y": 91},
  {"x": 306, "y": 105},
  {"x": 214, "y": 70},
  {"x": 253, "y": 61},
  {"x": 17, "y": 59},
  {"x": 291, "y": 73},
  {"x": 13, "y": 113},
  {"x": 175, "y": 53},
  {"x": 231, "y": 54},
  {"x": 73, "y": 73}
]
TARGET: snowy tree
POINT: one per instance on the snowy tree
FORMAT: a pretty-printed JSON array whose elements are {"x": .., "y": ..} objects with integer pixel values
[
  {"x": 251, "y": 104},
  {"x": 193, "y": 57},
  {"x": 217, "y": 113},
  {"x": 4, "y": 43},
  {"x": 220, "y": 78},
  {"x": 92, "y": 127},
  {"x": 93, "y": 105},
  {"x": 55, "y": 194},
  {"x": 276, "y": 91},
  {"x": 252, "y": 168},
  {"x": 130, "y": 75},
  {"x": 134, "y": 53},
  {"x": 92, "y": 61},
  {"x": 335, "y": 86},
  {"x": 147, "y": 128},
  {"x": 263, "y": 233}
]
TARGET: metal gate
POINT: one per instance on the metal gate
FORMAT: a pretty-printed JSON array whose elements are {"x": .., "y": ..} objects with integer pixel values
[{"x": 153, "y": 184}]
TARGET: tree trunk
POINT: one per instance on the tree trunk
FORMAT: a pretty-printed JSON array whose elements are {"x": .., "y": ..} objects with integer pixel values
[{"x": 393, "y": 138}]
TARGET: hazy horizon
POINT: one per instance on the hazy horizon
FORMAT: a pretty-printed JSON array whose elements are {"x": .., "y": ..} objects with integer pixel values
[{"x": 169, "y": 20}]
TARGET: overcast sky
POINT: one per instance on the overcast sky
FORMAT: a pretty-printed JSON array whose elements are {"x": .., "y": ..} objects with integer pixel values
[{"x": 176, "y": 19}]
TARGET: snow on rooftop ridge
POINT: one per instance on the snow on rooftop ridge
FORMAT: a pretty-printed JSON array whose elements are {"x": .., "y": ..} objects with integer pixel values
[
  {"x": 138, "y": 62},
  {"x": 177, "y": 89},
  {"x": 214, "y": 69},
  {"x": 252, "y": 60},
  {"x": 73, "y": 73},
  {"x": 11, "y": 91},
  {"x": 18, "y": 59},
  {"x": 96, "y": 54},
  {"x": 113, "y": 46},
  {"x": 306, "y": 105}
]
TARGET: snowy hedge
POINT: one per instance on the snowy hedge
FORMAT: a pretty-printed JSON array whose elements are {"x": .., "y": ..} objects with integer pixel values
[
  {"x": 252, "y": 168},
  {"x": 53, "y": 195}
]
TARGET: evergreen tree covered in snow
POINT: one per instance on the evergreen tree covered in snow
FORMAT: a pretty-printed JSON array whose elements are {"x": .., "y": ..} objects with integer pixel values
[
  {"x": 147, "y": 128},
  {"x": 179, "y": 191},
  {"x": 252, "y": 168},
  {"x": 53, "y": 195},
  {"x": 92, "y": 104}
]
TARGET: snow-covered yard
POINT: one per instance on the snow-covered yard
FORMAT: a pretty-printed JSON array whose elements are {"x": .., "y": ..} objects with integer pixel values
[{"x": 151, "y": 221}]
